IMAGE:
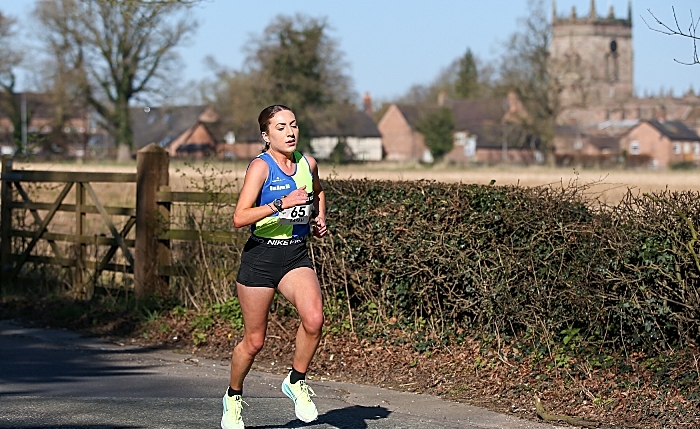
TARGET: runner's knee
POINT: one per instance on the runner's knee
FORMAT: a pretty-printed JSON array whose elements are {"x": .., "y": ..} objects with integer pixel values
[
  {"x": 253, "y": 343},
  {"x": 313, "y": 324}
]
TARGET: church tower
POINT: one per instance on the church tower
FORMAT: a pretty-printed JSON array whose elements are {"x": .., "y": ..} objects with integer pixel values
[{"x": 591, "y": 58}]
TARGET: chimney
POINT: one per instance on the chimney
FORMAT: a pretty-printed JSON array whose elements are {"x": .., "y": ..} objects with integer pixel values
[
  {"x": 661, "y": 114},
  {"x": 367, "y": 100},
  {"x": 441, "y": 98}
]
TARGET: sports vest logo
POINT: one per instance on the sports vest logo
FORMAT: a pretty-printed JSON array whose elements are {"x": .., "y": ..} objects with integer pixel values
[{"x": 279, "y": 187}]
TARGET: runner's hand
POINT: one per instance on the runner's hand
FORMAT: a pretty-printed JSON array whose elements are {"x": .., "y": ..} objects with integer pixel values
[
  {"x": 296, "y": 198},
  {"x": 320, "y": 228}
]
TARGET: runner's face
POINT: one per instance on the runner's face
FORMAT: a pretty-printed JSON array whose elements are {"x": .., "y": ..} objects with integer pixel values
[{"x": 283, "y": 132}]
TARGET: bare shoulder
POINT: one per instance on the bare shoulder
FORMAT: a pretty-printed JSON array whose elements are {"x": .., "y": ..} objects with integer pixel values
[
  {"x": 257, "y": 166},
  {"x": 312, "y": 162},
  {"x": 257, "y": 171}
]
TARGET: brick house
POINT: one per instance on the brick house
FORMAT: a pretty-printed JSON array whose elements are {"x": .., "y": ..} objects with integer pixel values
[
  {"x": 487, "y": 131},
  {"x": 183, "y": 131},
  {"x": 657, "y": 144},
  {"x": 401, "y": 140},
  {"x": 595, "y": 146}
]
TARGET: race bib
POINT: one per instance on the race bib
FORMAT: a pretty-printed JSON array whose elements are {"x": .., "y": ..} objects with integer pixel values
[{"x": 296, "y": 215}]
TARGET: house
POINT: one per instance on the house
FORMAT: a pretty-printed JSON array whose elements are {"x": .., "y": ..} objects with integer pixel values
[
  {"x": 595, "y": 146},
  {"x": 246, "y": 144},
  {"x": 486, "y": 131},
  {"x": 49, "y": 129},
  {"x": 490, "y": 131},
  {"x": 401, "y": 140},
  {"x": 658, "y": 144},
  {"x": 357, "y": 131},
  {"x": 183, "y": 131}
]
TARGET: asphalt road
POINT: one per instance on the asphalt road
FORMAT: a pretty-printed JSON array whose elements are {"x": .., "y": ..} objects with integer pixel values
[{"x": 58, "y": 379}]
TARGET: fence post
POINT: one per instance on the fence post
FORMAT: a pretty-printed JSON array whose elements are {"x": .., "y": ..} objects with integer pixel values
[
  {"x": 85, "y": 291},
  {"x": 152, "y": 165},
  {"x": 5, "y": 225},
  {"x": 165, "y": 257}
]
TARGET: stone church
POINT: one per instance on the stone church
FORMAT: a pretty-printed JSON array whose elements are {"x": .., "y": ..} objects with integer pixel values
[{"x": 593, "y": 59}]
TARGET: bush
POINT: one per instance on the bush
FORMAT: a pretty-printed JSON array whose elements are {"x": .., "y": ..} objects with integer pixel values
[{"x": 507, "y": 261}]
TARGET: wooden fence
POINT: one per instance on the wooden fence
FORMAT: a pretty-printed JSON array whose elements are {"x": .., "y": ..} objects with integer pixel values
[{"x": 147, "y": 256}]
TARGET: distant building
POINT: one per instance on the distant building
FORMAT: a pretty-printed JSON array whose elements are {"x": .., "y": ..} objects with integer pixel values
[
  {"x": 357, "y": 133},
  {"x": 490, "y": 131},
  {"x": 400, "y": 137},
  {"x": 592, "y": 59},
  {"x": 657, "y": 144},
  {"x": 487, "y": 131},
  {"x": 183, "y": 131},
  {"x": 594, "y": 146},
  {"x": 50, "y": 129}
]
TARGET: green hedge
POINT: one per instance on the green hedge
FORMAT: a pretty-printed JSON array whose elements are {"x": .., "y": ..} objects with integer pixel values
[{"x": 508, "y": 260}]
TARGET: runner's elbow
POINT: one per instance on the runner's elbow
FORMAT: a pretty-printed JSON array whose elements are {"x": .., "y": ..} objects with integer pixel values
[{"x": 238, "y": 222}]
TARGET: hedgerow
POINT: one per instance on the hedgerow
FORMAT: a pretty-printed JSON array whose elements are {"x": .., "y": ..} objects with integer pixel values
[{"x": 449, "y": 260}]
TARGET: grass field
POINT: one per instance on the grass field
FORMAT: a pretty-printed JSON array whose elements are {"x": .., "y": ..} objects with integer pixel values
[{"x": 606, "y": 185}]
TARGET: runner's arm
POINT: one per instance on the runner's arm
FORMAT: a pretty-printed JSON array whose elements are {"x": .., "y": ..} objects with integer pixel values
[{"x": 246, "y": 212}]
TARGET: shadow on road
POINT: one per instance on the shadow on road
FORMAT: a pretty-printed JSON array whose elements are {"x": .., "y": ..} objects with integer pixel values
[
  {"x": 27, "y": 363},
  {"x": 69, "y": 426},
  {"x": 355, "y": 417}
]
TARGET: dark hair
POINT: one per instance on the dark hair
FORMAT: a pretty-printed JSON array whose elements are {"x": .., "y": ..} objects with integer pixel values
[{"x": 265, "y": 116}]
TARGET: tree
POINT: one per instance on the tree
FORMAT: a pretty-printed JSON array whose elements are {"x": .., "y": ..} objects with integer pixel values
[
  {"x": 10, "y": 59},
  {"x": 438, "y": 129},
  {"x": 467, "y": 83},
  {"x": 676, "y": 30},
  {"x": 463, "y": 78},
  {"x": 295, "y": 62},
  {"x": 115, "y": 50},
  {"x": 525, "y": 69}
]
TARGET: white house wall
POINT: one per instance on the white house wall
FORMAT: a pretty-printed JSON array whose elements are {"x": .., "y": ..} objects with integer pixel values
[
  {"x": 366, "y": 149},
  {"x": 363, "y": 149},
  {"x": 323, "y": 146}
]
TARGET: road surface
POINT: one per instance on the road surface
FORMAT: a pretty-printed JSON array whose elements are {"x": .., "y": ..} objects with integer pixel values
[{"x": 59, "y": 379}]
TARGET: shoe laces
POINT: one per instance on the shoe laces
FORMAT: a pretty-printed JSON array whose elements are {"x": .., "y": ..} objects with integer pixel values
[
  {"x": 306, "y": 390},
  {"x": 237, "y": 407}
]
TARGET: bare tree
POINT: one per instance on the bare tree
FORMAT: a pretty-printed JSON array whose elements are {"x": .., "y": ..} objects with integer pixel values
[
  {"x": 114, "y": 50},
  {"x": 526, "y": 70},
  {"x": 676, "y": 30},
  {"x": 10, "y": 59},
  {"x": 10, "y": 55}
]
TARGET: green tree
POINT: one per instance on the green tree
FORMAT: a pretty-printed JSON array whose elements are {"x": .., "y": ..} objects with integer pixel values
[
  {"x": 295, "y": 62},
  {"x": 454, "y": 81},
  {"x": 467, "y": 83},
  {"x": 116, "y": 50},
  {"x": 438, "y": 129}
]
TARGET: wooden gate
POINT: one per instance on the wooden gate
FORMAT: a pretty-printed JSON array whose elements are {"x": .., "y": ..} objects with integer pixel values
[
  {"x": 85, "y": 201},
  {"x": 141, "y": 242}
]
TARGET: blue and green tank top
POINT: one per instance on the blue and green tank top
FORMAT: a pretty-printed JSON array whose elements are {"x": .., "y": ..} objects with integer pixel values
[{"x": 294, "y": 221}]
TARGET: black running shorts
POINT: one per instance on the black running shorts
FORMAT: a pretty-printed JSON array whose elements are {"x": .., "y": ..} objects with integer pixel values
[{"x": 264, "y": 264}]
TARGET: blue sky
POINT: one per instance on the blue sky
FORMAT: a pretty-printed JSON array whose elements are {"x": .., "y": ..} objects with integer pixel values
[{"x": 391, "y": 45}]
